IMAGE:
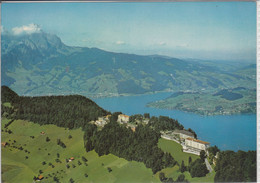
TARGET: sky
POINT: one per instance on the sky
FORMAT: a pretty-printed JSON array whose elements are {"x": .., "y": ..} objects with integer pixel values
[{"x": 201, "y": 30}]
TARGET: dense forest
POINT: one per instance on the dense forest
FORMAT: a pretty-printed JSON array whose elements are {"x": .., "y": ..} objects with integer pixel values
[
  {"x": 71, "y": 111},
  {"x": 163, "y": 123},
  {"x": 236, "y": 166},
  {"x": 140, "y": 145}
]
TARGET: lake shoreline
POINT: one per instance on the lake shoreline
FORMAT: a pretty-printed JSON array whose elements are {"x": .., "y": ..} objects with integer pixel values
[{"x": 215, "y": 128}]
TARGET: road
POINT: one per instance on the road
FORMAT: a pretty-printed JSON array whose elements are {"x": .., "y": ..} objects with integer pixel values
[{"x": 208, "y": 165}]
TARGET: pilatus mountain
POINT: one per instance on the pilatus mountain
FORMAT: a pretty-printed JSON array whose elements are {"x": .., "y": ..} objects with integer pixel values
[{"x": 41, "y": 64}]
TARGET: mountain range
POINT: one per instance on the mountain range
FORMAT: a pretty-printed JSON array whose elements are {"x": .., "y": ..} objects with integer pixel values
[{"x": 41, "y": 64}]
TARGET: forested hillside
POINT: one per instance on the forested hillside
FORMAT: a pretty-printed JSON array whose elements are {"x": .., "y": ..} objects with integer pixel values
[
  {"x": 72, "y": 111},
  {"x": 236, "y": 166}
]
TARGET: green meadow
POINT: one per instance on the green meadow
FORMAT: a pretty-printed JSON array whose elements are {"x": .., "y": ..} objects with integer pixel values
[
  {"x": 176, "y": 151},
  {"x": 39, "y": 157},
  {"x": 16, "y": 168}
]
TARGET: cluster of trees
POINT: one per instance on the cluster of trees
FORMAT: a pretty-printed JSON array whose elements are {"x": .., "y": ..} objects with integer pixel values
[
  {"x": 6, "y": 111},
  {"x": 213, "y": 150},
  {"x": 163, "y": 123},
  {"x": 196, "y": 168},
  {"x": 192, "y": 131},
  {"x": 181, "y": 178},
  {"x": 236, "y": 166},
  {"x": 59, "y": 142},
  {"x": 140, "y": 145},
  {"x": 8, "y": 95},
  {"x": 66, "y": 111},
  {"x": 139, "y": 117}
]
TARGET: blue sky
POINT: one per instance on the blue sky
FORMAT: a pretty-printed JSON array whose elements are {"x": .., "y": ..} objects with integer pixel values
[{"x": 204, "y": 30}]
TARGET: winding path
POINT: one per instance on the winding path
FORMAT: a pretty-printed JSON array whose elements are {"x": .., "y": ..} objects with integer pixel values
[{"x": 208, "y": 165}]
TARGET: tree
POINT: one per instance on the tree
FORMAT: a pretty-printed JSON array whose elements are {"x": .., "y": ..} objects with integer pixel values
[
  {"x": 192, "y": 131},
  {"x": 58, "y": 155},
  {"x": 47, "y": 139},
  {"x": 182, "y": 167},
  {"x": 147, "y": 115},
  {"x": 190, "y": 160},
  {"x": 86, "y": 175},
  {"x": 203, "y": 155},
  {"x": 213, "y": 150},
  {"x": 114, "y": 116},
  {"x": 56, "y": 179},
  {"x": 84, "y": 159},
  {"x": 70, "y": 137},
  {"x": 109, "y": 169},
  {"x": 71, "y": 180},
  {"x": 40, "y": 171},
  {"x": 181, "y": 178},
  {"x": 198, "y": 168},
  {"x": 162, "y": 177},
  {"x": 79, "y": 163}
]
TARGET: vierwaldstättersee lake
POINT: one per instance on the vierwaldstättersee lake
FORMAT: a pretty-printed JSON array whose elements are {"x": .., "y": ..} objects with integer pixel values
[{"x": 228, "y": 132}]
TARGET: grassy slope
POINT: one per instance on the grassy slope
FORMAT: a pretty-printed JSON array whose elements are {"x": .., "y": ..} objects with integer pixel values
[
  {"x": 176, "y": 151},
  {"x": 17, "y": 169}
]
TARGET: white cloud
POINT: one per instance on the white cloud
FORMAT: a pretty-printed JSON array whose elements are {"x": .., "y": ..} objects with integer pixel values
[
  {"x": 26, "y": 29},
  {"x": 120, "y": 42}
]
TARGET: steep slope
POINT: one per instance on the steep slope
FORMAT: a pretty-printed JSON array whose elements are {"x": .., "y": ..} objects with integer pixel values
[{"x": 40, "y": 64}]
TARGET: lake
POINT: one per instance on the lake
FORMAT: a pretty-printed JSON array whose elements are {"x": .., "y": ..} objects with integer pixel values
[{"x": 228, "y": 132}]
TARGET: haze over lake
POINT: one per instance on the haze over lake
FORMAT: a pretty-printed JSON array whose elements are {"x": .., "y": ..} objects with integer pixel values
[{"x": 228, "y": 132}]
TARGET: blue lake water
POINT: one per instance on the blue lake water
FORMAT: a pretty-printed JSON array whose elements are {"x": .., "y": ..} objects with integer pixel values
[{"x": 229, "y": 132}]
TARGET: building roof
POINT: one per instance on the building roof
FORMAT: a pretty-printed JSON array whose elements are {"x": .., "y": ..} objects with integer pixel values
[
  {"x": 3, "y": 143},
  {"x": 40, "y": 177},
  {"x": 196, "y": 140},
  {"x": 184, "y": 132},
  {"x": 123, "y": 115}
]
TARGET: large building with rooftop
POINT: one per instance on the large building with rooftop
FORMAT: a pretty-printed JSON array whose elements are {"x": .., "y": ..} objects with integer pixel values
[{"x": 195, "y": 146}]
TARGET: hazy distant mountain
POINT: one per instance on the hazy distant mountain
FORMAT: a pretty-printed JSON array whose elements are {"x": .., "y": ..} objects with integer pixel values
[{"x": 40, "y": 64}]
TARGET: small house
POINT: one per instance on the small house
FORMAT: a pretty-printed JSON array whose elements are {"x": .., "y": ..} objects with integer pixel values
[
  {"x": 4, "y": 144},
  {"x": 42, "y": 133},
  {"x": 40, "y": 177},
  {"x": 71, "y": 159}
]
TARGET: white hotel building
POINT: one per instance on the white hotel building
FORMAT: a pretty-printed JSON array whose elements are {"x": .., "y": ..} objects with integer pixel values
[{"x": 195, "y": 146}]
